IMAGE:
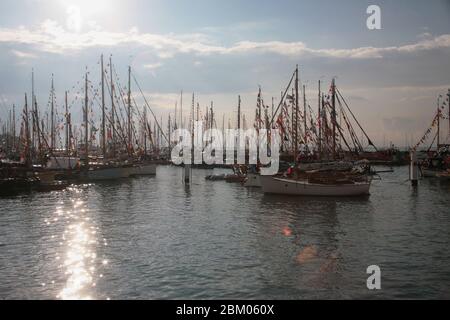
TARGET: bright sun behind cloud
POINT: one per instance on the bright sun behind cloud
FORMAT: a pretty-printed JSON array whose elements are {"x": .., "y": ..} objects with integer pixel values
[{"x": 78, "y": 12}]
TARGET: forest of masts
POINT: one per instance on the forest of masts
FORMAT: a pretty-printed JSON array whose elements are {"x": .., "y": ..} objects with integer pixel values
[{"x": 125, "y": 131}]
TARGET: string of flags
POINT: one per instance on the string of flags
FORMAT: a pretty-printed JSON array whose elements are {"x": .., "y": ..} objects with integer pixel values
[{"x": 429, "y": 130}]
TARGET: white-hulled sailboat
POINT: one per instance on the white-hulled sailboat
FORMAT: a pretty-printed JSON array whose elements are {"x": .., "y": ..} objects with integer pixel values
[
  {"x": 94, "y": 171},
  {"x": 303, "y": 187},
  {"x": 334, "y": 179}
]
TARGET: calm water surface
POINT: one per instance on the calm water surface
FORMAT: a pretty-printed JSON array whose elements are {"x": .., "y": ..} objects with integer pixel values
[{"x": 155, "y": 238}]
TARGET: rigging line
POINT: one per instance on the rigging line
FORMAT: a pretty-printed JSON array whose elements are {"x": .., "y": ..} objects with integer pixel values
[
  {"x": 353, "y": 136},
  {"x": 343, "y": 138},
  {"x": 121, "y": 94},
  {"x": 432, "y": 142},
  {"x": 356, "y": 120},
  {"x": 121, "y": 136},
  {"x": 141, "y": 116},
  {"x": 282, "y": 98},
  {"x": 148, "y": 106},
  {"x": 115, "y": 109},
  {"x": 120, "y": 116}
]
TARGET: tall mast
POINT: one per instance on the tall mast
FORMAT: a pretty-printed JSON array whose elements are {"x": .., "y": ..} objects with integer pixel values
[
  {"x": 129, "y": 110},
  {"x": 145, "y": 131},
  {"x": 320, "y": 124},
  {"x": 27, "y": 134},
  {"x": 38, "y": 128},
  {"x": 212, "y": 115},
  {"x": 113, "y": 124},
  {"x": 181, "y": 110},
  {"x": 273, "y": 106},
  {"x": 67, "y": 125},
  {"x": 103, "y": 111},
  {"x": 176, "y": 115},
  {"x": 14, "y": 126},
  {"x": 296, "y": 116},
  {"x": 8, "y": 134},
  {"x": 198, "y": 111},
  {"x": 32, "y": 107},
  {"x": 304, "y": 117},
  {"x": 448, "y": 105},
  {"x": 170, "y": 136},
  {"x": 156, "y": 135},
  {"x": 292, "y": 122},
  {"x": 161, "y": 141},
  {"x": 238, "y": 138},
  {"x": 52, "y": 115},
  {"x": 223, "y": 125},
  {"x": 333, "y": 117},
  {"x": 259, "y": 108},
  {"x": 438, "y": 124},
  {"x": 239, "y": 113},
  {"x": 193, "y": 114},
  {"x": 86, "y": 124},
  {"x": 324, "y": 122}
]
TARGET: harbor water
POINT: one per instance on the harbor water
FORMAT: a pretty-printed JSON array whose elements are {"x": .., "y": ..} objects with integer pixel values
[{"x": 157, "y": 238}]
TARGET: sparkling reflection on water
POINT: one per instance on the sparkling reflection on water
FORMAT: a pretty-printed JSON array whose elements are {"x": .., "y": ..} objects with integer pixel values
[
  {"x": 153, "y": 237},
  {"x": 79, "y": 241}
]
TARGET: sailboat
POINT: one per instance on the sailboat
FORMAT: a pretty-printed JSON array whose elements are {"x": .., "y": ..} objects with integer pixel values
[
  {"x": 436, "y": 164},
  {"x": 318, "y": 178},
  {"x": 105, "y": 170},
  {"x": 280, "y": 185}
]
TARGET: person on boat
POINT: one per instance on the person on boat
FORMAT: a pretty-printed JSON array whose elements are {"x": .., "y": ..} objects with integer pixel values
[{"x": 290, "y": 171}]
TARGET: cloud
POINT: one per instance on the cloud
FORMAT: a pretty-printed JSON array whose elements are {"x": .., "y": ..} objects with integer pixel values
[
  {"x": 23, "y": 55},
  {"x": 52, "y": 37},
  {"x": 153, "y": 66}
]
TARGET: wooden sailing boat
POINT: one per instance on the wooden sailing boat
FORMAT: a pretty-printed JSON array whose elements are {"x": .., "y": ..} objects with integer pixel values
[
  {"x": 99, "y": 170},
  {"x": 322, "y": 181},
  {"x": 142, "y": 166},
  {"x": 436, "y": 164}
]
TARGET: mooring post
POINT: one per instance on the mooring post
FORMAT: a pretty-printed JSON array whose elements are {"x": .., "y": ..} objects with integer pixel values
[
  {"x": 187, "y": 173},
  {"x": 413, "y": 169}
]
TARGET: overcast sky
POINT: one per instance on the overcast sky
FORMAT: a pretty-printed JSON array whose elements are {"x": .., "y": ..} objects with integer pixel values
[{"x": 219, "y": 49}]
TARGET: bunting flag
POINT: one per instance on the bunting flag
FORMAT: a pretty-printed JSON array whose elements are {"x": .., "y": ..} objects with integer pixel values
[{"x": 429, "y": 130}]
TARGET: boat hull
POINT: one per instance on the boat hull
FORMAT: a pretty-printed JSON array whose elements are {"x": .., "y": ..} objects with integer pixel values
[
  {"x": 143, "y": 170},
  {"x": 107, "y": 173},
  {"x": 276, "y": 185}
]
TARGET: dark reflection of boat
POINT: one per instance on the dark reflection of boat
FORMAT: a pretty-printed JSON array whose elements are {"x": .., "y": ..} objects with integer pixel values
[
  {"x": 48, "y": 187},
  {"x": 12, "y": 186},
  {"x": 17, "y": 185},
  {"x": 15, "y": 180},
  {"x": 269, "y": 198}
]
